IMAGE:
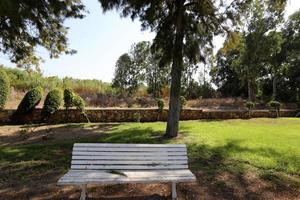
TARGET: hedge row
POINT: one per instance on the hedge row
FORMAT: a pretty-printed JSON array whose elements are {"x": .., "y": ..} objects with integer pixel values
[{"x": 52, "y": 102}]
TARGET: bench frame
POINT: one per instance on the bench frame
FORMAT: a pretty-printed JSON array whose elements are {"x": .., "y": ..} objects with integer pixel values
[
  {"x": 162, "y": 162},
  {"x": 83, "y": 194}
]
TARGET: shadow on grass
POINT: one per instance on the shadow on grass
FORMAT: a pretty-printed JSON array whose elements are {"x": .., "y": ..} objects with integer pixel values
[
  {"x": 227, "y": 178},
  {"x": 218, "y": 176}
]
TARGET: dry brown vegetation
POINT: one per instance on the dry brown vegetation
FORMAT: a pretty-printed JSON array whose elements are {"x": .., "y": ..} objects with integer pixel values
[{"x": 143, "y": 100}]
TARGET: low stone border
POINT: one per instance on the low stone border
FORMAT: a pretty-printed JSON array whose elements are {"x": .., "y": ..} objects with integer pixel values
[{"x": 137, "y": 114}]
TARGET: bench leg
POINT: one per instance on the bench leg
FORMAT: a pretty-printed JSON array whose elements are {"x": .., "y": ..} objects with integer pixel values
[
  {"x": 174, "y": 194},
  {"x": 83, "y": 192}
]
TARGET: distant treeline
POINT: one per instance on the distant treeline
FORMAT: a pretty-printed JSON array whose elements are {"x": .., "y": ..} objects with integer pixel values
[{"x": 25, "y": 80}]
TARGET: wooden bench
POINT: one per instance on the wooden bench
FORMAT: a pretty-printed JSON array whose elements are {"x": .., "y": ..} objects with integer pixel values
[{"x": 95, "y": 163}]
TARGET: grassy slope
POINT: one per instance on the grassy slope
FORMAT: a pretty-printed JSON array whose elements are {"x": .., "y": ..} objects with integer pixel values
[{"x": 266, "y": 145}]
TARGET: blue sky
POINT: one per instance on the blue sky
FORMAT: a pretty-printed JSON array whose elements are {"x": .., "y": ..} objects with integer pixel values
[{"x": 100, "y": 39}]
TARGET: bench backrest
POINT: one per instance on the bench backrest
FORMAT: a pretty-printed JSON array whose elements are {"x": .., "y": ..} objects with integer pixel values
[{"x": 129, "y": 156}]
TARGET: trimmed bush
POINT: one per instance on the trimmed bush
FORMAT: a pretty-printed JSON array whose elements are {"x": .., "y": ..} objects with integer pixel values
[
  {"x": 68, "y": 98},
  {"x": 182, "y": 101},
  {"x": 249, "y": 105},
  {"x": 4, "y": 88},
  {"x": 276, "y": 106},
  {"x": 52, "y": 102},
  {"x": 137, "y": 117},
  {"x": 31, "y": 99},
  {"x": 78, "y": 102},
  {"x": 160, "y": 105}
]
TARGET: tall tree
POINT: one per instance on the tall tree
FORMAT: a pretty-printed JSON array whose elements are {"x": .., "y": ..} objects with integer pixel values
[
  {"x": 225, "y": 77},
  {"x": 259, "y": 19},
  {"x": 184, "y": 28},
  {"x": 27, "y": 24},
  {"x": 126, "y": 75},
  {"x": 291, "y": 33},
  {"x": 275, "y": 58},
  {"x": 156, "y": 77}
]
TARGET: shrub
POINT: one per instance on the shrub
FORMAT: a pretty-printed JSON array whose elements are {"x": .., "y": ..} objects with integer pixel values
[
  {"x": 160, "y": 105},
  {"x": 78, "y": 102},
  {"x": 68, "y": 98},
  {"x": 249, "y": 105},
  {"x": 137, "y": 117},
  {"x": 31, "y": 99},
  {"x": 52, "y": 102},
  {"x": 275, "y": 105},
  {"x": 182, "y": 101},
  {"x": 4, "y": 88}
]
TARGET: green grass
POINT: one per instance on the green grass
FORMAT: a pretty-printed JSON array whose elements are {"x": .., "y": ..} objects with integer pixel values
[
  {"x": 266, "y": 145},
  {"x": 263, "y": 143}
]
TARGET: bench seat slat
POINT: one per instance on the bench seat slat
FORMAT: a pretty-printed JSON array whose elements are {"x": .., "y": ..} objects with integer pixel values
[
  {"x": 119, "y": 181},
  {"x": 105, "y": 173},
  {"x": 128, "y": 145},
  {"x": 124, "y": 162},
  {"x": 87, "y": 153},
  {"x": 154, "y": 158},
  {"x": 125, "y": 149},
  {"x": 137, "y": 167},
  {"x": 99, "y": 177}
]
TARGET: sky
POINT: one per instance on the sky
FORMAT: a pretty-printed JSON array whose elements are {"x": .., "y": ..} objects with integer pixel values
[{"x": 100, "y": 38}]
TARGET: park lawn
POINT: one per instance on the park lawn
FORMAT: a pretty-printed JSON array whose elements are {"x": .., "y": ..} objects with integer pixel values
[
  {"x": 262, "y": 143},
  {"x": 269, "y": 147}
]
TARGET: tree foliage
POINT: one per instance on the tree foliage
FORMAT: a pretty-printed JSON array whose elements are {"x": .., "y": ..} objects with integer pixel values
[
  {"x": 126, "y": 77},
  {"x": 276, "y": 70},
  {"x": 254, "y": 52},
  {"x": 28, "y": 24}
]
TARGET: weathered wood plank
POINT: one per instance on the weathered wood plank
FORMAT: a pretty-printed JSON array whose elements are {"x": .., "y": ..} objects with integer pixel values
[
  {"x": 131, "y": 173},
  {"x": 76, "y": 181},
  {"x": 89, "y": 153},
  {"x": 124, "y": 162},
  {"x": 131, "y": 167},
  {"x": 154, "y": 158},
  {"x": 128, "y": 145},
  {"x": 124, "y": 149}
]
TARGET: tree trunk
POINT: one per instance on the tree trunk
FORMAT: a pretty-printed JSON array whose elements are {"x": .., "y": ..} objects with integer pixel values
[
  {"x": 251, "y": 89},
  {"x": 176, "y": 72},
  {"x": 274, "y": 87}
]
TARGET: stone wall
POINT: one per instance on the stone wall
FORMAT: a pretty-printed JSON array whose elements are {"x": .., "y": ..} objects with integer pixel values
[{"x": 132, "y": 114}]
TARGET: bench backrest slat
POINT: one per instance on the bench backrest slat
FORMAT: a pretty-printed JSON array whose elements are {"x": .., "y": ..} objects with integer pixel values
[{"x": 129, "y": 156}]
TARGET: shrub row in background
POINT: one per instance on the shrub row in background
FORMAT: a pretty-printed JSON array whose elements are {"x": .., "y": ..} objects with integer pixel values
[
  {"x": 52, "y": 102},
  {"x": 4, "y": 88}
]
